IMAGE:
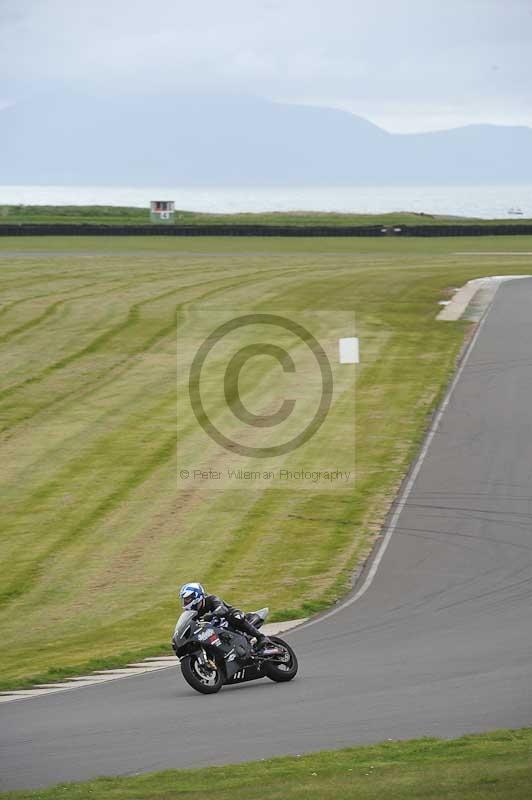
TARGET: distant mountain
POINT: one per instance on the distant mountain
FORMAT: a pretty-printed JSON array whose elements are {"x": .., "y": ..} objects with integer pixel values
[{"x": 211, "y": 140}]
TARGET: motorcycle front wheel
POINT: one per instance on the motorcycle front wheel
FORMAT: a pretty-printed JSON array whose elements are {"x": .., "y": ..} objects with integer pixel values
[
  {"x": 201, "y": 676},
  {"x": 284, "y": 668}
]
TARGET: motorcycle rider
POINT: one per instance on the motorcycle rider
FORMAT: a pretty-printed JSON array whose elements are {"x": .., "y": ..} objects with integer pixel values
[{"x": 194, "y": 598}]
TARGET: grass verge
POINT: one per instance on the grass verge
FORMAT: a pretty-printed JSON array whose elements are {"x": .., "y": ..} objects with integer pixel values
[
  {"x": 129, "y": 215},
  {"x": 493, "y": 766}
]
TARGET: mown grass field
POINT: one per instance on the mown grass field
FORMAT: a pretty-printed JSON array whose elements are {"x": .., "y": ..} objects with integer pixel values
[
  {"x": 494, "y": 766},
  {"x": 96, "y": 531}
]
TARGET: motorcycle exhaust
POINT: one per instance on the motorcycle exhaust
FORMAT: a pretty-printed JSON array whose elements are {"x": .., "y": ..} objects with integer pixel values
[{"x": 272, "y": 651}]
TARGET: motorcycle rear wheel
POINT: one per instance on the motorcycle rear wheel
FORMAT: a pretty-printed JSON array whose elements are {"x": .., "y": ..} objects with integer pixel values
[
  {"x": 203, "y": 681},
  {"x": 285, "y": 670}
]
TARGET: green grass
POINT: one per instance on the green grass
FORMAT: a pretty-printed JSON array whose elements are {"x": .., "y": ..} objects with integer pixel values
[
  {"x": 96, "y": 532},
  {"x": 494, "y": 766},
  {"x": 125, "y": 215}
]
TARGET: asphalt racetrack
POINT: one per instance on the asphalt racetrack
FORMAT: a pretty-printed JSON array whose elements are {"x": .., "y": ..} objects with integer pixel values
[{"x": 439, "y": 645}]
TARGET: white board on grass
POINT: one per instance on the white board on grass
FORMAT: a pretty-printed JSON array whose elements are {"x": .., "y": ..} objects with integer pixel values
[{"x": 349, "y": 350}]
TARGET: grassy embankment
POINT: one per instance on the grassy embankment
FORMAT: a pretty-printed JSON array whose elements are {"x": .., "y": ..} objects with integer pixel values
[
  {"x": 495, "y": 766},
  {"x": 125, "y": 215},
  {"x": 94, "y": 535}
]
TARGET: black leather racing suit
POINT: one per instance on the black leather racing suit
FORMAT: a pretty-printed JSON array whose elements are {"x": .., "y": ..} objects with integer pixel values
[{"x": 235, "y": 618}]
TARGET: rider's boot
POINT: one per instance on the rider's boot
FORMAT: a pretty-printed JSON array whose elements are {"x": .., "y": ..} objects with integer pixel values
[{"x": 262, "y": 642}]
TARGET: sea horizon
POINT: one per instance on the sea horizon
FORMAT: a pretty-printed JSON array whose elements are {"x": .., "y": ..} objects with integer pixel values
[{"x": 481, "y": 201}]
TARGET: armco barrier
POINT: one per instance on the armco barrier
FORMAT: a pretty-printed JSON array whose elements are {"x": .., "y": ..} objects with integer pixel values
[{"x": 88, "y": 229}]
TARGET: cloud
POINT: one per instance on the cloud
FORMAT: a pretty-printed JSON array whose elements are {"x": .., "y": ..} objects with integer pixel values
[{"x": 406, "y": 65}]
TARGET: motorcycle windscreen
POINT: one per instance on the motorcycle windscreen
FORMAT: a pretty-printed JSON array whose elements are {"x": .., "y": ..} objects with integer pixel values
[{"x": 183, "y": 623}]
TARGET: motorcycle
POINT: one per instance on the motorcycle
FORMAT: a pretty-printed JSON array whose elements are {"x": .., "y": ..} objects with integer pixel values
[{"x": 212, "y": 655}]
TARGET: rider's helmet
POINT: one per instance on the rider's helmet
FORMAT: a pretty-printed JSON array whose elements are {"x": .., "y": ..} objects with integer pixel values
[{"x": 192, "y": 596}]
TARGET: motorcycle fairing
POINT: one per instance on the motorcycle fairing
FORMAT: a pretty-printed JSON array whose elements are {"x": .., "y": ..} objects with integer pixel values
[
  {"x": 235, "y": 649},
  {"x": 250, "y": 673}
]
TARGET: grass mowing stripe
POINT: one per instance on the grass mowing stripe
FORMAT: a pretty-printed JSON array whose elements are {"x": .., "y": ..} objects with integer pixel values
[
  {"x": 22, "y": 581},
  {"x": 100, "y": 341},
  {"x": 32, "y": 323},
  {"x": 96, "y": 344},
  {"x": 117, "y": 493},
  {"x": 50, "y": 311}
]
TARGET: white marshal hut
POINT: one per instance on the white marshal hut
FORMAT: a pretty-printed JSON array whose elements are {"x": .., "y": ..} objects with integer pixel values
[{"x": 162, "y": 210}]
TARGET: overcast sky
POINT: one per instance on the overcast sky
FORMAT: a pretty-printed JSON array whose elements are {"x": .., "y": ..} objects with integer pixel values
[{"x": 407, "y": 66}]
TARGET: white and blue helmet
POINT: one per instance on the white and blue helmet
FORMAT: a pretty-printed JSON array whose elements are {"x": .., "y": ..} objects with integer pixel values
[{"x": 192, "y": 596}]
